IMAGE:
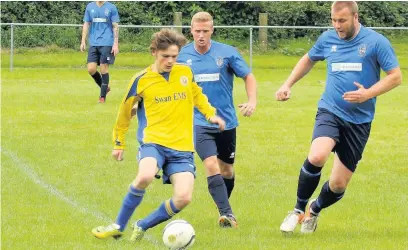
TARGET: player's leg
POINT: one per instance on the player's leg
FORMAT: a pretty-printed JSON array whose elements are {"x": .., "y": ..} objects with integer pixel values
[
  {"x": 348, "y": 152},
  {"x": 226, "y": 145},
  {"x": 179, "y": 170},
  {"x": 325, "y": 135},
  {"x": 92, "y": 61},
  {"x": 207, "y": 150},
  {"x": 106, "y": 59},
  {"x": 331, "y": 192},
  {"x": 150, "y": 160}
]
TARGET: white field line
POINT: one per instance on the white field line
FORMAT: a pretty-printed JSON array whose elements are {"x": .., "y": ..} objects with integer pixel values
[{"x": 54, "y": 191}]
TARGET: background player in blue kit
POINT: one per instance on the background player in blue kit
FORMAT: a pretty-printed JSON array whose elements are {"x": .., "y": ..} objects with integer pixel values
[
  {"x": 101, "y": 19},
  {"x": 214, "y": 66},
  {"x": 355, "y": 55}
]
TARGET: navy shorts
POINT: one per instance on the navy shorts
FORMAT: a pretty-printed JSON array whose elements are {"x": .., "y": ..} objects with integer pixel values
[
  {"x": 350, "y": 138},
  {"x": 100, "y": 55},
  {"x": 211, "y": 141},
  {"x": 169, "y": 160}
]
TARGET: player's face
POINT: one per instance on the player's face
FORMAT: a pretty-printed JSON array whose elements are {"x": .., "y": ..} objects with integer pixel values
[
  {"x": 202, "y": 32},
  {"x": 165, "y": 59},
  {"x": 344, "y": 22}
]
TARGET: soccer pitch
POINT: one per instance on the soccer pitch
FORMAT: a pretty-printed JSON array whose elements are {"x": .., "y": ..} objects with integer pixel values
[{"x": 59, "y": 181}]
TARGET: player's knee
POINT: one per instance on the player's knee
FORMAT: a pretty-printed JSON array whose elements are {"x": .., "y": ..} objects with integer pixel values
[
  {"x": 211, "y": 164},
  {"x": 91, "y": 70},
  {"x": 227, "y": 171},
  {"x": 182, "y": 199},
  {"x": 104, "y": 68},
  {"x": 317, "y": 159},
  {"x": 143, "y": 180},
  {"x": 337, "y": 185}
]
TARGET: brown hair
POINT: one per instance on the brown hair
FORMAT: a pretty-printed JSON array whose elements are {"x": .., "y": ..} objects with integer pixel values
[
  {"x": 163, "y": 39},
  {"x": 339, "y": 5}
]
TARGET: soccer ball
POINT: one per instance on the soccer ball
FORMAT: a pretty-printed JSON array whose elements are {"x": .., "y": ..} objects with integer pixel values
[{"x": 178, "y": 234}]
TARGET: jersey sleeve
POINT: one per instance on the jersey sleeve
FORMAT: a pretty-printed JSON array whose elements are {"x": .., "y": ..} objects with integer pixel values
[
  {"x": 115, "y": 15},
  {"x": 316, "y": 53},
  {"x": 87, "y": 17},
  {"x": 385, "y": 54},
  {"x": 125, "y": 114},
  {"x": 201, "y": 101},
  {"x": 239, "y": 65}
]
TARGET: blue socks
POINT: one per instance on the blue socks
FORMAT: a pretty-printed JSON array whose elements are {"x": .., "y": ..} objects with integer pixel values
[
  {"x": 326, "y": 198},
  {"x": 166, "y": 210},
  {"x": 218, "y": 191},
  {"x": 130, "y": 202}
]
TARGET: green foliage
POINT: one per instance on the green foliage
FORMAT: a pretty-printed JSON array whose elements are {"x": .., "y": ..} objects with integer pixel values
[{"x": 309, "y": 13}]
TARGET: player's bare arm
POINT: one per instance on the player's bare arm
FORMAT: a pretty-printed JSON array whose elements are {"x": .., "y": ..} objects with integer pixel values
[
  {"x": 248, "y": 108},
  {"x": 392, "y": 80},
  {"x": 301, "y": 69},
  {"x": 85, "y": 29},
  {"x": 115, "y": 47}
]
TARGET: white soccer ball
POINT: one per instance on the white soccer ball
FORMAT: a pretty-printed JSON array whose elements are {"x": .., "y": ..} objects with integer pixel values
[{"x": 178, "y": 234}]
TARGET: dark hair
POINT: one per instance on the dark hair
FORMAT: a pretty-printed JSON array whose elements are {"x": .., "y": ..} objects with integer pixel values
[{"x": 163, "y": 39}]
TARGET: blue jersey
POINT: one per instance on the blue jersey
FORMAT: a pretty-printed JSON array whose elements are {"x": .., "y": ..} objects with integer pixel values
[
  {"x": 358, "y": 60},
  {"x": 214, "y": 72},
  {"x": 101, "y": 19}
]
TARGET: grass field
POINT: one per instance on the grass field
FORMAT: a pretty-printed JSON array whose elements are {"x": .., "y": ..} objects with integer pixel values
[{"x": 58, "y": 180}]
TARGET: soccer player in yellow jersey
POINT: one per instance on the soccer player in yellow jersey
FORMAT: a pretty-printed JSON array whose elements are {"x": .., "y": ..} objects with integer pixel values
[{"x": 163, "y": 97}]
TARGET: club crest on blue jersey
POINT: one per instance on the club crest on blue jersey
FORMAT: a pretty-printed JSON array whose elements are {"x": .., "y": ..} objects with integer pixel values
[
  {"x": 362, "y": 49},
  {"x": 106, "y": 12},
  {"x": 184, "y": 80},
  {"x": 219, "y": 61},
  {"x": 189, "y": 62}
]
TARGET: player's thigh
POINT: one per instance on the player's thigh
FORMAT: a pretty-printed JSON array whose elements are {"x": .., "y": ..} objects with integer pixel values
[
  {"x": 106, "y": 55},
  {"x": 326, "y": 134},
  {"x": 340, "y": 176},
  {"x": 353, "y": 140},
  {"x": 104, "y": 68},
  {"x": 204, "y": 141},
  {"x": 151, "y": 160},
  {"x": 226, "y": 145},
  {"x": 177, "y": 162},
  {"x": 183, "y": 184}
]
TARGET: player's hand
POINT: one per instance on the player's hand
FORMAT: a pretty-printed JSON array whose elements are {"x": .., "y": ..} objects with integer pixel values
[
  {"x": 117, "y": 154},
  {"x": 248, "y": 108},
  {"x": 283, "y": 93},
  {"x": 115, "y": 50},
  {"x": 358, "y": 96},
  {"x": 82, "y": 47},
  {"x": 218, "y": 120}
]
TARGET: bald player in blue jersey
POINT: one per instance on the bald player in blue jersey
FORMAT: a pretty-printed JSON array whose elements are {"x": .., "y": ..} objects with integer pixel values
[
  {"x": 214, "y": 66},
  {"x": 101, "y": 20},
  {"x": 163, "y": 97},
  {"x": 355, "y": 56}
]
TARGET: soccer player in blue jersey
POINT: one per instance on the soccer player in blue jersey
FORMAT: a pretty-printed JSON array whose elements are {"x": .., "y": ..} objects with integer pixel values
[
  {"x": 101, "y": 19},
  {"x": 214, "y": 65},
  {"x": 355, "y": 56},
  {"x": 163, "y": 96}
]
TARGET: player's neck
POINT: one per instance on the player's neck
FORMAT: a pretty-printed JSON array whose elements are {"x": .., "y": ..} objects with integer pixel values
[
  {"x": 100, "y": 3},
  {"x": 357, "y": 30},
  {"x": 202, "y": 50},
  {"x": 156, "y": 69}
]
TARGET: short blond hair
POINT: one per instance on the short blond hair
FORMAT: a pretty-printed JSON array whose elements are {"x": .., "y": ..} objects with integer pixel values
[
  {"x": 202, "y": 17},
  {"x": 339, "y": 5}
]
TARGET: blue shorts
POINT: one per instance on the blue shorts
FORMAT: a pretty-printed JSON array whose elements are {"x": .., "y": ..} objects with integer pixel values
[
  {"x": 350, "y": 138},
  {"x": 169, "y": 160},
  {"x": 100, "y": 55},
  {"x": 211, "y": 141}
]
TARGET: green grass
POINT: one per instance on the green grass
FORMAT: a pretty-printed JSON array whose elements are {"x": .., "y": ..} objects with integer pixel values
[{"x": 58, "y": 180}]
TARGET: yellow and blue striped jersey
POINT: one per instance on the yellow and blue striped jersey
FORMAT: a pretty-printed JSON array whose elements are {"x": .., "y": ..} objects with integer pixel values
[{"x": 165, "y": 108}]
